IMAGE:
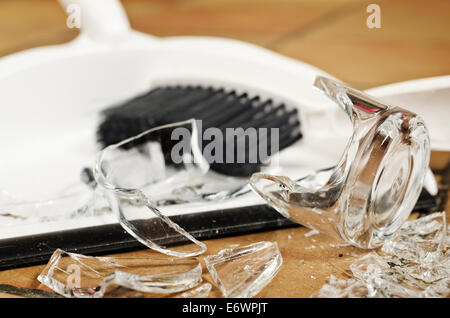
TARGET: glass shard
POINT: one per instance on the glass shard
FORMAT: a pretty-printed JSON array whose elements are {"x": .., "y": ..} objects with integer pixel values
[
  {"x": 198, "y": 292},
  {"x": 242, "y": 272},
  {"x": 385, "y": 277},
  {"x": 411, "y": 272},
  {"x": 368, "y": 265},
  {"x": 311, "y": 233},
  {"x": 379, "y": 277},
  {"x": 340, "y": 288},
  {"x": 420, "y": 241},
  {"x": 79, "y": 276},
  {"x": 430, "y": 274},
  {"x": 440, "y": 289}
]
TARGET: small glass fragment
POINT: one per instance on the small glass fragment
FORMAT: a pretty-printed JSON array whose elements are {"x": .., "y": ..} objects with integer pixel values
[
  {"x": 378, "y": 276},
  {"x": 339, "y": 288},
  {"x": 368, "y": 265},
  {"x": 431, "y": 273},
  {"x": 123, "y": 292},
  {"x": 79, "y": 276},
  {"x": 385, "y": 277},
  {"x": 420, "y": 241},
  {"x": 243, "y": 272},
  {"x": 419, "y": 266},
  {"x": 311, "y": 233},
  {"x": 146, "y": 177},
  {"x": 198, "y": 292},
  {"x": 440, "y": 289}
]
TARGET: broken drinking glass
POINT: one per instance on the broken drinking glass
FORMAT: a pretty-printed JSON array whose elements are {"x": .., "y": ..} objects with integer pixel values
[
  {"x": 198, "y": 292},
  {"x": 419, "y": 265},
  {"x": 420, "y": 241}
]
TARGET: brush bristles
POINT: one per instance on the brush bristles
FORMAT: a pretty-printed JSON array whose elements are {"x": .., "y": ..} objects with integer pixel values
[{"x": 215, "y": 108}]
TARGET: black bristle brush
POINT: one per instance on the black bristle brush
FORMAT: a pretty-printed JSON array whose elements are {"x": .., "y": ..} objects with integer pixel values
[{"x": 215, "y": 107}]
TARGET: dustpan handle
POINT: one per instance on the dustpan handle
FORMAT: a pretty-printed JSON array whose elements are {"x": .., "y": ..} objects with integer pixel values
[{"x": 100, "y": 20}]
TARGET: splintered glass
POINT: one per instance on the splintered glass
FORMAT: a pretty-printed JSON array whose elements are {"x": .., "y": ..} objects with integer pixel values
[
  {"x": 371, "y": 191},
  {"x": 418, "y": 265},
  {"x": 420, "y": 241},
  {"x": 143, "y": 174},
  {"x": 201, "y": 291},
  {"x": 79, "y": 276},
  {"x": 242, "y": 272}
]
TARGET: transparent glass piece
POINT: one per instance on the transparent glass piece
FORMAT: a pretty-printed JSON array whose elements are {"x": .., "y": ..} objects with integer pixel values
[
  {"x": 142, "y": 174},
  {"x": 384, "y": 278},
  {"x": 167, "y": 163},
  {"x": 439, "y": 290},
  {"x": 369, "y": 265},
  {"x": 147, "y": 177},
  {"x": 79, "y": 276},
  {"x": 371, "y": 191},
  {"x": 242, "y": 272},
  {"x": 431, "y": 273},
  {"x": 201, "y": 291},
  {"x": 420, "y": 241},
  {"x": 123, "y": 292},
  {"x": 311, "y": 233}
]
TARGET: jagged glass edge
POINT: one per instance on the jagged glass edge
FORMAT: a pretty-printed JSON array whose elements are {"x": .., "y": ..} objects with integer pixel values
[
  {"x": 262, "y": 280},
  {"x": 199, "y": 292},
  {"x": 163, "y": 284},
  {"x": 136, "y": 193}
]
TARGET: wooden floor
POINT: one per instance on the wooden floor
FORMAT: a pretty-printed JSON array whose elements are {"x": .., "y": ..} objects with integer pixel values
[{"x": 413, "y": 42}]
